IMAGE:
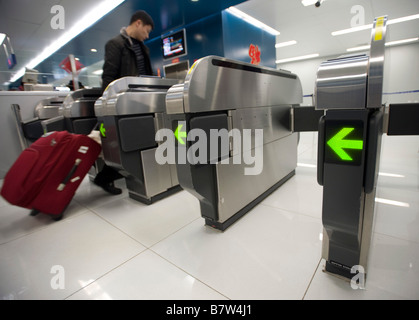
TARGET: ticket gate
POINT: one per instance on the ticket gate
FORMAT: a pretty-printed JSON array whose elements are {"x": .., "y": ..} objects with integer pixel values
[
  {"x": 31, "y": 129},
  {"x": 78, "y": 110},
  {"x": 130, "y": 112},
  {"x": 349, "y": 89},
  {"x": 243, "y": 113},
  {"x": 76, "y": 113}
]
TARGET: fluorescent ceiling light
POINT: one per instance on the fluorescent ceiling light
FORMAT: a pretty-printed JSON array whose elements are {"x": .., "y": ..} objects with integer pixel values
[
  {"x": 369, "y": 26},
  {"x": 307, "y": 3},
  {"x": 394, "y": 43},
  {"x": 100, "y": 10},
  {"x": 403, "y": 19},
  {"x": 2, "y": 37},
  {"x": 285, "y": 44},
  {"x": 366, "y": 47},
  {"x": 387, "y": 44},
  {"x": 308, "y": 56},
  {"x": 354, "y": 29},
  {"x": 251, "y": 20}
]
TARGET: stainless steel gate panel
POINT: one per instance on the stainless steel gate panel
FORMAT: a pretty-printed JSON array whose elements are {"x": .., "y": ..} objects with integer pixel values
[
  {"x": 130, "y": 112},
  {"x": 273, "y": 120},
  {"x": 80, "y": 103},
  {"x": 349, "y": 89},
  {"x": 235, "y": 189},
  {"x": 215, "y": 83},
  {"x": 233, "y": 96},
  {"x": 157, "y": 178}
]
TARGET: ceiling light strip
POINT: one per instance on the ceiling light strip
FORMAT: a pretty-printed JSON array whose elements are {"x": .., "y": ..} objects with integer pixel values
[
  {"x": 285, "y": 44},
  {"x": 244, "y": 16},
  {"x": 388, "y": 44},
  {"x": 308, "y": 56},
  {"x": 369, "y": 26},
  {"x": 88, "y": 20}
]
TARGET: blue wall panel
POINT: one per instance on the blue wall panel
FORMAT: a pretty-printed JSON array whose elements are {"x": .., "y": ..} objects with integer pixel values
[
  {"x": 238, "y": 35},
  {"x": 203, "y": 38}
]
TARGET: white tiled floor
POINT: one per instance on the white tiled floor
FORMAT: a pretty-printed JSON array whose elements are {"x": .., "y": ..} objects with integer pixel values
[{"x": 112, "y": 247}]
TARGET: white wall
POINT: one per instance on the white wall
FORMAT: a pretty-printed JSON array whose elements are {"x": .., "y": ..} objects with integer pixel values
[{"x": 401, "y": 73}]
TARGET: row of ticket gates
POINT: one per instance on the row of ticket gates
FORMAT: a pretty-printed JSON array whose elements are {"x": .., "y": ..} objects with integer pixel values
[{"x": 247, "y": 120}]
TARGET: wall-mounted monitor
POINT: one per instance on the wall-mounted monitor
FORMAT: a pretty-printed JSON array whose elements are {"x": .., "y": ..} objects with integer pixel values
[{"x": 174, "y": 44}]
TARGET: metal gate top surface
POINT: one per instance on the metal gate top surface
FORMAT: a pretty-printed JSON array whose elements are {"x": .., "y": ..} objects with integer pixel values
[{"x": 214, "y": 83}]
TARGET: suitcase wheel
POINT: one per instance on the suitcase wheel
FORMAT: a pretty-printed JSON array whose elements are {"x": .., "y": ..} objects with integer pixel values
[
  {"x": 34, "y": 212},
  {"x": 58, "y": 217}
]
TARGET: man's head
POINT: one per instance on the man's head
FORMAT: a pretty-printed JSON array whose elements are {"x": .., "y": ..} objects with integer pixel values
[{"x": 140, "y": 25}]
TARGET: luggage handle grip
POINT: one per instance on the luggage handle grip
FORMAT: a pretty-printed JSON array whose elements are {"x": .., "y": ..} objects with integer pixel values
[{"x": 62, "y": 185}]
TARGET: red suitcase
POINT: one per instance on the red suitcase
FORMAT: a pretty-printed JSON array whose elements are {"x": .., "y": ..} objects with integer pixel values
[{"x": 46, "y": 175}]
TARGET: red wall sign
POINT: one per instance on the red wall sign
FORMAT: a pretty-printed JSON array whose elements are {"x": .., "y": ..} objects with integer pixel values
[{"x": 254, "y": 54}]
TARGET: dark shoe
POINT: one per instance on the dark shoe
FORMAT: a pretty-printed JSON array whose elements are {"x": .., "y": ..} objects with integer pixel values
[{"x": 109, "y": 187}]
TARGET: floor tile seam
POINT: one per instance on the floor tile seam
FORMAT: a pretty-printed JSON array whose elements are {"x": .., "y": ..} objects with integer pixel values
[
  {"x": 101, "y": 205},
  {"x": 45, "y": 227},
  {"x": 119, "y": 229},
  {"x": 312, "y": 278},
  {"x": 290, "y": 211},
  {"x": 172, "y": 233},
  {"x": 394, "y": 237},
  {"x": 188, "y": 273},
  {"x": 107, "y": 272},
  {"x": 146, "y": 246}
]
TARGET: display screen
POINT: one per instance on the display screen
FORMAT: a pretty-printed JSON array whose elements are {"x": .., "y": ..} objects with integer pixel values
[
  {"x": 344, "y": 142},
  {"x": 174, "y": 45},
  {"x": 11, "y": 61}
]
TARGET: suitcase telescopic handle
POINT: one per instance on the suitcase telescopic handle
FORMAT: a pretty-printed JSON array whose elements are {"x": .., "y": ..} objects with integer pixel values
[{"x": 67, "y": 178}]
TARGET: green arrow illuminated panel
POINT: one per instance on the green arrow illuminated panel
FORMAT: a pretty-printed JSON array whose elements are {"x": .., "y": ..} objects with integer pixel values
[
  {"x": 102, "y": 130},
  {"x": 180, "y": 135},
  {"x": 344, "y": 142}
]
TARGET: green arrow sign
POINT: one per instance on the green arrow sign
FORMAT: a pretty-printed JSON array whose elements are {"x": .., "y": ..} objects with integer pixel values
[
  {"x": 337, "y": 143},
  {"x": 102, "y": 130},
  {"x": 179, "y": 134}
]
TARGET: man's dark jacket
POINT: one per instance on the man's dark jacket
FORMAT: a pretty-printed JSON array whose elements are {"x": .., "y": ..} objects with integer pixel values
[{"x": 120, "y": 59}]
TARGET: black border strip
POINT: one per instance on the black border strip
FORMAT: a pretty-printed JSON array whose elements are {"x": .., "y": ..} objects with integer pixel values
[{"x": 233, "y": 65}]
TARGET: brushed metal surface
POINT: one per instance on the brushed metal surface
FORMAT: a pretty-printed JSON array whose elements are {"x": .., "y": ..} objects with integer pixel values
[
  {"x": 80, "y": 103},
  {"x": 157, "y": 178},
  {"x": 342, "y": 83},
  {"x": 236, "y": 190},
  {"x": 376, "y": 65},
  {"x": 49, "y": 108},
  {"x": 214, "y": 83},
  {"x": 134, "y": 95},
  {"x": 356, "y": 81}
]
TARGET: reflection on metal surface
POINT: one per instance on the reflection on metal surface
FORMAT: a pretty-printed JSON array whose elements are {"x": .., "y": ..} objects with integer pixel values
[
  {"x": 392, "y": 202},
  {"x": 376, "y": 65},
  {"x": 232, "y": 85},
  {"x": 134, "y": 95},
  {"x": 80, "y": 103},
  {"x": 49, "y": 108},
  {"x": 341, "y": 83}
]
